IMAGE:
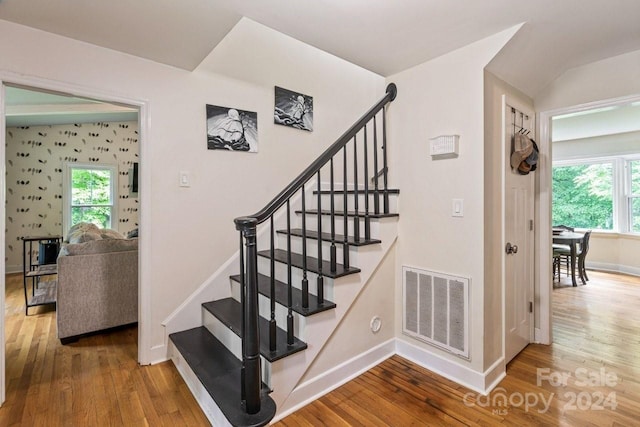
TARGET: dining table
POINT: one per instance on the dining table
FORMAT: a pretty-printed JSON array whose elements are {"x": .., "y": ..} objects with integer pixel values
[{"x": 571, "y": 239}]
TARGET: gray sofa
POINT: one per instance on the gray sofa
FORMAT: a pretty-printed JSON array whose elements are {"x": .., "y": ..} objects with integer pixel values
[{"x": 97, "y": 283}]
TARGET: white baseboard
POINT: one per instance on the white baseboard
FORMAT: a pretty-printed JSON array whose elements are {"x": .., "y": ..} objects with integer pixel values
[
  {"x": 12, "y": 268},
  {"x": 494, "y": 375},
  {"x": 313, "y": 389},
  {"x": 158, "y": 354},
  {"x": 317, "y": 387},
  {"x": 480, "y": 382},
  {"x": 541, "y": 337},
  {"x": 613, "y": 268}
]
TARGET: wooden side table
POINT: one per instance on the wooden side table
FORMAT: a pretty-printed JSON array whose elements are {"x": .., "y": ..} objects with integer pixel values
[{"x": 34, "y": 268}]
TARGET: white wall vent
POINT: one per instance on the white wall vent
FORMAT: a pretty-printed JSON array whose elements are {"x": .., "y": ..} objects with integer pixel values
[{"x": 436, "y": 309}]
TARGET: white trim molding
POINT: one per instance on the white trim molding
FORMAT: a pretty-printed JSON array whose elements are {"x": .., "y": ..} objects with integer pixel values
[
  {"x": 145, "y": 351},
  {"x": 480, "y": 382},
  {"x": 328, "y": 381}
]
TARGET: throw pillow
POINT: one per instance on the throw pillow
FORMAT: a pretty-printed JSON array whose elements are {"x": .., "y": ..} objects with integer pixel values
[
  {"x": 107, "y": 233},
  {"x": 80, "y": 236},
  {"x": 80, "y": 228}
]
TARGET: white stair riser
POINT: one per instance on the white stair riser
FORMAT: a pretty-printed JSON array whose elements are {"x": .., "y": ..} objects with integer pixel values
[
  {"x": 296, "y": 277},
  {"x": 312, "y": 224},
  {"x": 299, "y": 321},
  {"x": 264, "y": 306},
  {"x": 232, "y": 342},
  {"x": 206, "y": 402},
  {"x": 219, "y": 330},
  {"x": 339, "y": 201},
  {"x": 312, "y": 248}
]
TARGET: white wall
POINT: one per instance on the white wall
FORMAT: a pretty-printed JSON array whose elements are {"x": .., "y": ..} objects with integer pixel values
[
  {"x": 353, "y": 336},
  {"x": 190, "y": 231},
  {"x": 443, "y": 97},
  {"x": 610, "y": 78}
]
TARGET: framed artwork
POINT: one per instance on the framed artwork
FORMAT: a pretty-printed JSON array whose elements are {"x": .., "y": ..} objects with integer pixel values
[
  {"x": 231, "y": 129},
  {"x": 293, "y": 109}
]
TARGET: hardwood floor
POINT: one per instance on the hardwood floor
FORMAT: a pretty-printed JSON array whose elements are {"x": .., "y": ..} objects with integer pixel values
[
  {"x": 93, "y": 382},
  {"x": 589, "y": 376},
  {"x": 97, "y": 381}
]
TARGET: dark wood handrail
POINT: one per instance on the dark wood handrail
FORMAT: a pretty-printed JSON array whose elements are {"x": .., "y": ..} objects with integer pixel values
[
  {"x": 247, "y": 225},
  {"x": 309, "y": 172}
]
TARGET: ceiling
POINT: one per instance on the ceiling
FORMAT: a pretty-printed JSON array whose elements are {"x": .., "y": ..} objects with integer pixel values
[
  {"x": 383, "y": 36},
  {"x": 25, "y": 107}
]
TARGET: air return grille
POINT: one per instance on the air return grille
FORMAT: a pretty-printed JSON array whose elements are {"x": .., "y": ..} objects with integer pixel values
[{"x": 436, "y": 309}]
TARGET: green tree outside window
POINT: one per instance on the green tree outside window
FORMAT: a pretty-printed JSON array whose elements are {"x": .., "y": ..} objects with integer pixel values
[
  {"x": 583, "y": 196},
  {"x": 91, "y": 199}
]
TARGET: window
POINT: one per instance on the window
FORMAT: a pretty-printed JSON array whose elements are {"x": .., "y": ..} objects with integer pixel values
[
  {"x": 90, "y": 194},
  {"x": 601, "y": 194},
  {"x": 583, "y": 195},
  {"x": 633, "y": 183}
]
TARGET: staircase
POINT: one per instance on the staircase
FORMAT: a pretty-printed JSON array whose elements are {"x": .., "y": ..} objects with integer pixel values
[{"x": 302, "y": 262}]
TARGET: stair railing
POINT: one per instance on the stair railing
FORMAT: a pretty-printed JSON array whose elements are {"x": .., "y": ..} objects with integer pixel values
[{"x": 247, "y": 226}]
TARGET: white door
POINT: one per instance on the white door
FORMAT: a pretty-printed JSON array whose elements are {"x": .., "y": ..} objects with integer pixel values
[{"x": 519, "y": 239}]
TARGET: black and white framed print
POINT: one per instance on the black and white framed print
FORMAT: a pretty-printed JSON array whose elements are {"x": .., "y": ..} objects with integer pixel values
[
  {"x": 231, "y": 129},
  {"x": 293, "y": 109}
]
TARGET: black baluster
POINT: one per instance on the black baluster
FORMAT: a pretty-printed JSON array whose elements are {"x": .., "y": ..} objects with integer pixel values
[
  {"x": 356, "y": 218},
  {"x": 345, "y": 246},
  {"x": 384, "y": 161},
  {"x": 289, "y": 280},
  {"x": 376, "y": 200},
  {"x": 242, "y": 306},
  {"x": 272, "y": 322},
  {"x": 332, "y": 255},
  {"x": 305, "y": 281},
  {"x": 320, "y": 280},
  {"x": 367, "y": 220}
]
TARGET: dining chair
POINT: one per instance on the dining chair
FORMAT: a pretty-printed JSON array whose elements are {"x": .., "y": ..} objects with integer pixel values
[
  {"x": 582, "y": 254},
  {"x": 557, "y": 260},
  {"x": 561, "y": 252},
  {"x": 563, "y": 255}
]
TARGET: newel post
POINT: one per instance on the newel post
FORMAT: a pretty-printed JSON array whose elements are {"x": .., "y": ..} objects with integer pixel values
[{"x": 250, "y": 334}]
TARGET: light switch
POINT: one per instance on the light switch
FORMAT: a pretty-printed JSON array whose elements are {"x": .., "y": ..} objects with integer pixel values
[
  {"x": 458, "y": 208},
  {"x": 184, "y": 179}
]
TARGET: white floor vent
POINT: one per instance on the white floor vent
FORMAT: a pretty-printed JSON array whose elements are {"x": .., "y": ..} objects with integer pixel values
[{"x": 436, "y": 309}]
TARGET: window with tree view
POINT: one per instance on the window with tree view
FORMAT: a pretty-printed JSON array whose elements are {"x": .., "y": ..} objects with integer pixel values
[
  {"x": 91, "y": 194},
  {"x": 583, "y": 196},
  {"x": 633, "y": 167}
]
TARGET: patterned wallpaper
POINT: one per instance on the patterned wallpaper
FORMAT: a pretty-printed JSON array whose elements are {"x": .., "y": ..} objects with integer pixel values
[{"x": 35, "y": 157}]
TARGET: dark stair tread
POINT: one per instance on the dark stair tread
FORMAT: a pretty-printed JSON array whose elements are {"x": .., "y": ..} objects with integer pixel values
[
  {"x": 264, "y": 287},
  {"x": 360, "y": 191},
  {"x": 312, "y": 263},
  {"x": 339, "y": 238},
  {"x": 219, "y": 372},
  {"x": 361, "y": 213},
  {"x": 229, "y": 312}
]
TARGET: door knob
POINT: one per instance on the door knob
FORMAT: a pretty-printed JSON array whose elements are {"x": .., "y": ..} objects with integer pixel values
[{"x": 511, "y": 249}]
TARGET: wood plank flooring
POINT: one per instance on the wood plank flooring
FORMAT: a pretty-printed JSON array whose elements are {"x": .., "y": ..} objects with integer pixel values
[
  {"x": 93, "y": 382},
  {"x": 589, "y": 376},
  {"x": 97, "y": 381}
]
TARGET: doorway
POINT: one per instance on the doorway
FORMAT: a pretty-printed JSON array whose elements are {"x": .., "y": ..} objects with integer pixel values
[
  {"x": 590, "y": 145},
  {"x": 129, "y": 119}
]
